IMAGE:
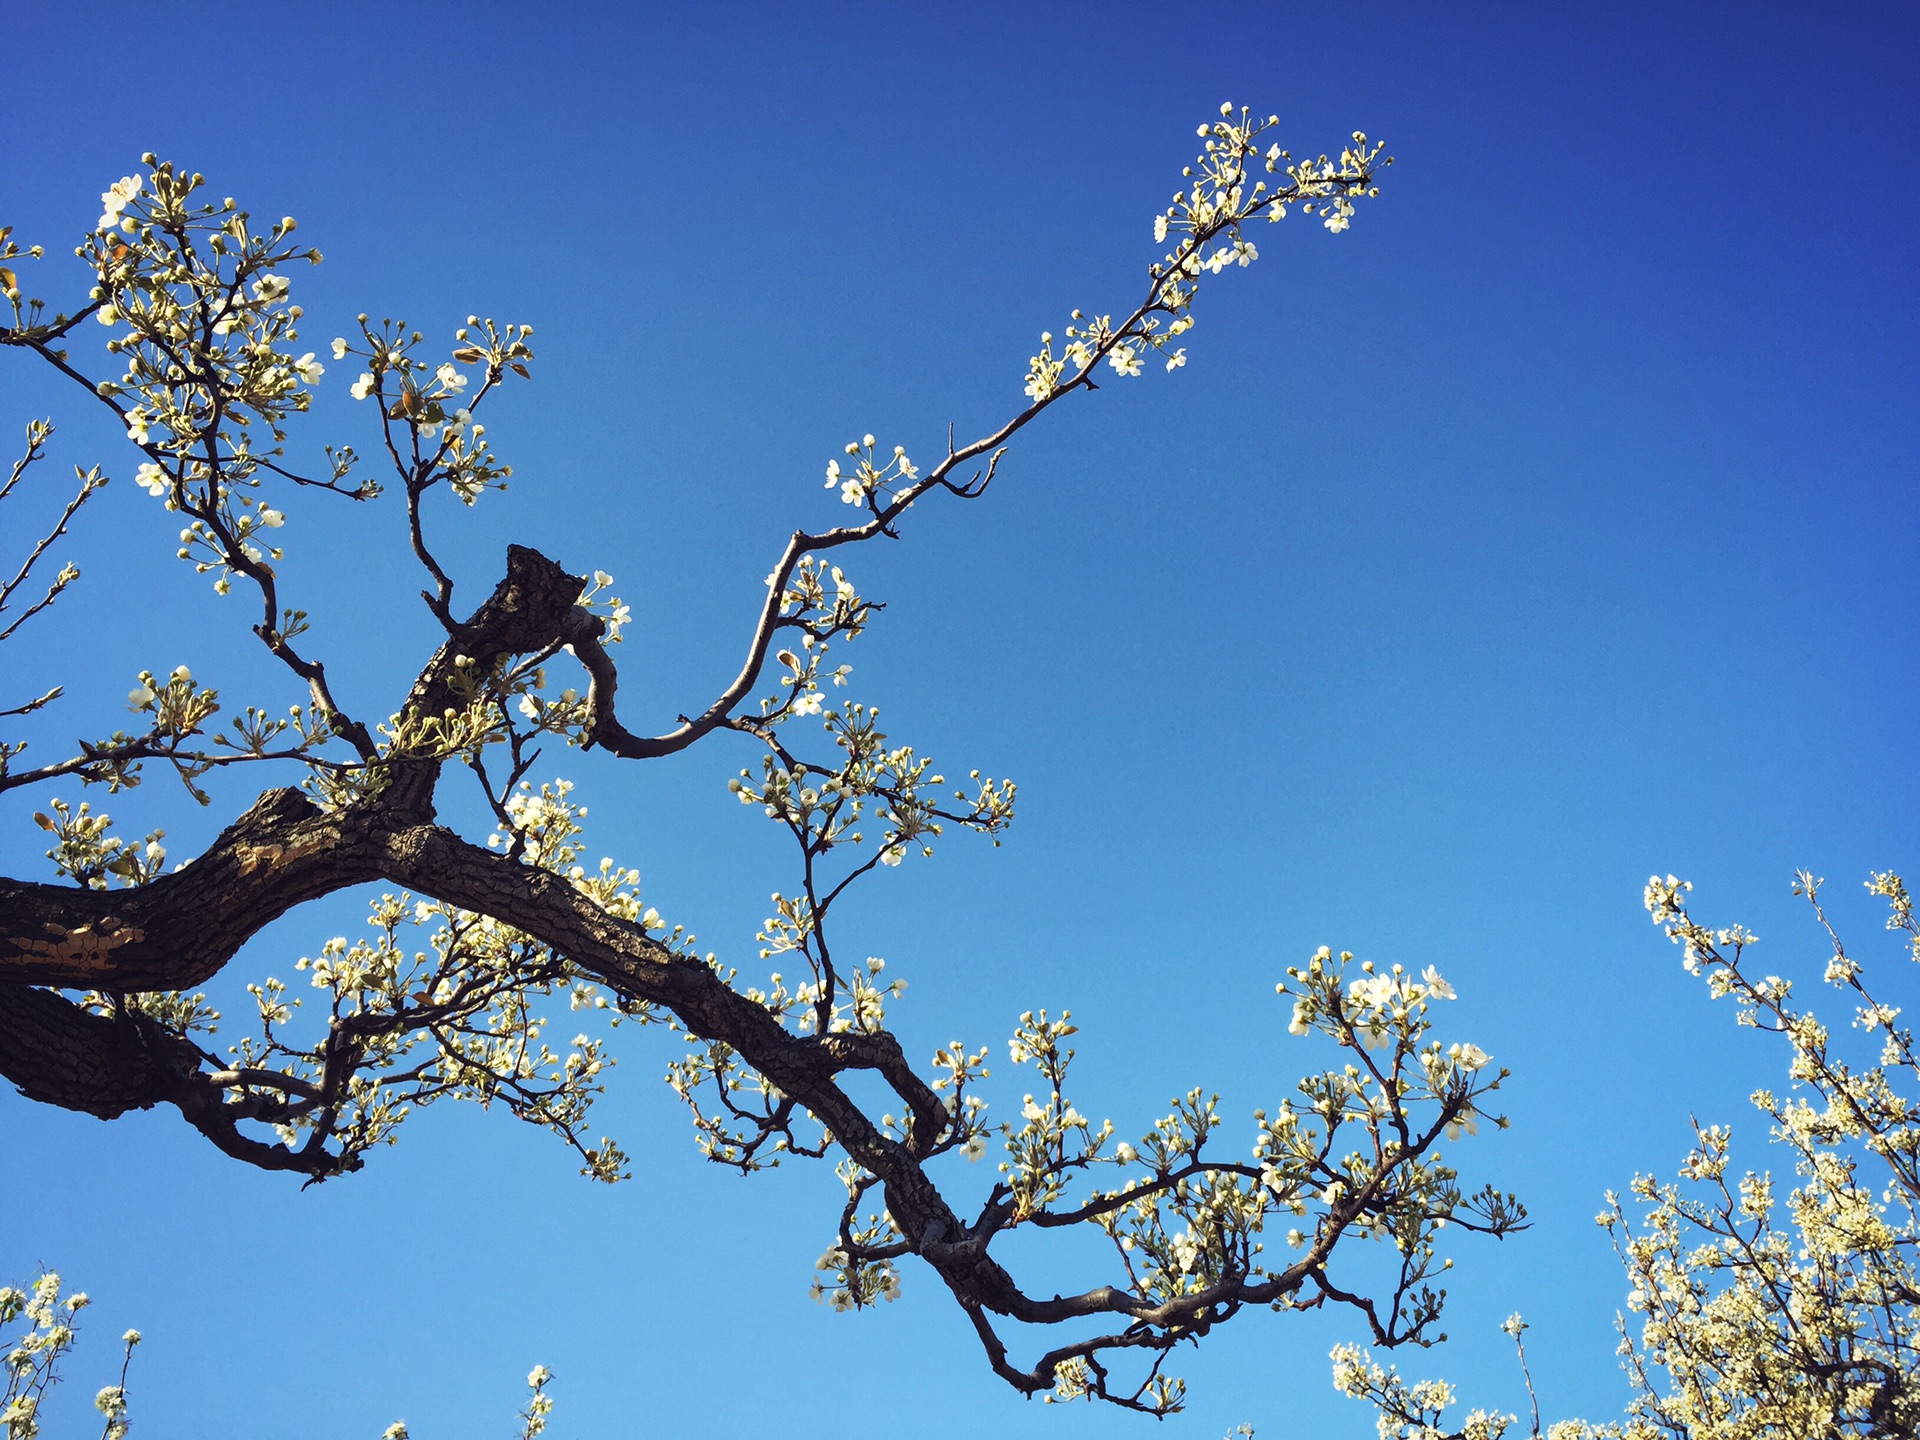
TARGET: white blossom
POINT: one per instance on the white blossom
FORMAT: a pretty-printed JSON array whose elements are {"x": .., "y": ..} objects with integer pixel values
[{"x": 116, "y": 198}]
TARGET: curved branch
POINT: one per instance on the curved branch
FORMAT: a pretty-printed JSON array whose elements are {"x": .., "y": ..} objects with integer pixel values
[
  {"x": 180, "y": 929},
  {"x": 607, "y": 732}
]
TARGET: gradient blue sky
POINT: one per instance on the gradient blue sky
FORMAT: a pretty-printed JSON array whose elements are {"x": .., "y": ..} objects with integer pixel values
[{"x": 1553, "y": 527}]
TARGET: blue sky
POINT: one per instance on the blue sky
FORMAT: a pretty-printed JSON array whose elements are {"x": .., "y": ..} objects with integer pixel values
[{"x": 1553, "y": 527}]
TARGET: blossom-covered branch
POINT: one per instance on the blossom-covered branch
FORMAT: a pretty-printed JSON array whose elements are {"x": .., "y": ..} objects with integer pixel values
[
  {"x": 452, "y": 992},
  {"x": 1760, "y": 1313}
]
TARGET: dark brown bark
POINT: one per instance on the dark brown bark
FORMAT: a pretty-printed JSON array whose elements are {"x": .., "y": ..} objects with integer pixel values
[
  {"x": 61, "y": 1054},
  {"x": 180, "y": 929}
]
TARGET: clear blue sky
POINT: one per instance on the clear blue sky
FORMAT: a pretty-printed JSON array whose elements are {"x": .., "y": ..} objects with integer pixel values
[{"x": 1553, "y": 527}]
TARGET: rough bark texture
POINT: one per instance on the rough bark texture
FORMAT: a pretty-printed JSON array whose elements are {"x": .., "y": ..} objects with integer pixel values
[
  {"x": 60, "y": 1054},
  {"x": 180, "y": 929}
]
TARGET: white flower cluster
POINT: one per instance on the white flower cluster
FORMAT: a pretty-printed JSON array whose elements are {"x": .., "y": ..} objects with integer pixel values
[
  {"x": 201, "y": 311},
  {"x": 1205, "y": 215},
  {"x": 424, "y": 403},
  {"x": 1745, "y": 1297},
  {"x": 88, "y": 852},
  {"x": 33, "y": 1357},
  {"x": 872, "y": 480},
  {"x": 1408, "y": 1412}
]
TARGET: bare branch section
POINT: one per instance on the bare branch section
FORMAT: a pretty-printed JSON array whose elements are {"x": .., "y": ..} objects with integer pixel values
[
  {"x": 38, "y": 593},
  {"x": 451, "y": 993}
]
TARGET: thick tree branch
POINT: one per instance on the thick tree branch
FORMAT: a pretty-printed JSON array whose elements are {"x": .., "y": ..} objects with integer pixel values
[{"x": 180, "y": 929}]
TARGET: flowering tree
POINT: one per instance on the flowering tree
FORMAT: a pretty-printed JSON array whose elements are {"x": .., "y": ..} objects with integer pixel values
[
  {"x": 1758, "y": 1318},
  {"x": 450, "y": 994},
  {"x": 47, "y": 1331}
]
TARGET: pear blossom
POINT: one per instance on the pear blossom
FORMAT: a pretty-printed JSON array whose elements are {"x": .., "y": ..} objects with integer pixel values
[
  {"x": 1186, "y": 1251},
  {"x": 116, "y": 198}
]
